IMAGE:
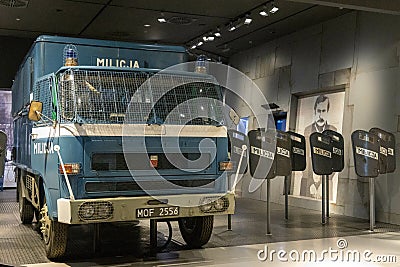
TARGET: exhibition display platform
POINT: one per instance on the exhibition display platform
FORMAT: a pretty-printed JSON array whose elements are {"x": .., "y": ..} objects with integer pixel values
[{"x": 127, "y": 244}]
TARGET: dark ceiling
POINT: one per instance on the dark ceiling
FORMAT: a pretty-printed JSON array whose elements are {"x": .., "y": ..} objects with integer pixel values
[{"x": 187, "y": 22}]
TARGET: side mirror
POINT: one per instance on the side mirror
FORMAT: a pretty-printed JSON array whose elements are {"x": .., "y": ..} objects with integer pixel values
[{"x": 35, "y": 110}]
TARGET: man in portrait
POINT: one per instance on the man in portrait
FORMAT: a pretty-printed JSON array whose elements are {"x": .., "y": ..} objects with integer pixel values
[{"x": 310, "y": 182}]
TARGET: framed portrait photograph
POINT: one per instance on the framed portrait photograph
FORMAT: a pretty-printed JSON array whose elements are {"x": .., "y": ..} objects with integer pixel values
[{"x": 317, "y": 113}]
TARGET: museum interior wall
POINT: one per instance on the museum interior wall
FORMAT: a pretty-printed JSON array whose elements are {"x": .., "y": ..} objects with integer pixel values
[{"x": 356, "y": 55}]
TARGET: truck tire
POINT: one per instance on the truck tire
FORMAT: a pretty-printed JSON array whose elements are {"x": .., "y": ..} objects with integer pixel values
[
  {"x": 54, "y": 235},
  {"x": 196, "y": 231},
  {"x": 26, "y": 210}
]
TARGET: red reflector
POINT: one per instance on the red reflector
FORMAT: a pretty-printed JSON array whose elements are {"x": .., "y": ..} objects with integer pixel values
[
  {"x": 226, "y": 166},
  {"x": 70, "y": 168},
  {"x": 154, "y": 161}
]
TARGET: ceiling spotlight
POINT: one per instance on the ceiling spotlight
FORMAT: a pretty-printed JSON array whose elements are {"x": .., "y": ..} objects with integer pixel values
[
  {"x": 218, "y": 32},
  {"x": 205, "y": 38},
  {"x": 231, "y": 27},
  {"x": 161, "y": 19},
  {"x": 273, "y": 9},
  {"x": 200, "y": 43},
  {"x": 210, "y": 38},
  {"x": 146, "y": 25},
  {"x": 263, "y": 12},
  {"x": 193, "y": 46},
  {"x": 247, "y": 20}
]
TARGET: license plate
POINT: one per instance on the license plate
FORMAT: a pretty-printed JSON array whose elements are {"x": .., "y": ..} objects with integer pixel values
[{"x": 157, "y": 212}]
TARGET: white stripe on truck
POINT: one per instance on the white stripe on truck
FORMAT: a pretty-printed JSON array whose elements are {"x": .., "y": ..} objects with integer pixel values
[{"x": 129, "y": 130}]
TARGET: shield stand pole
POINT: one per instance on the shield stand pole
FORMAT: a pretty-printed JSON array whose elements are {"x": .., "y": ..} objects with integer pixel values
[
  {"x": 371, "y": 204},
  {"x": 323, "y": 218},
  {"x": 268, "y": 207},
  {"x": 327, "y": 195},
  {"x": 286, "y": 198}
]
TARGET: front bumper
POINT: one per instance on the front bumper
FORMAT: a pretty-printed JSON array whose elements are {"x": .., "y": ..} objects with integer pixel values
[{"x": 125, "y": 208}]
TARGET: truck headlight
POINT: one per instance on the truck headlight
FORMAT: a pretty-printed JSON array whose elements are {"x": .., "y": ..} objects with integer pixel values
[
  {"x": 95, "y": 210},
  {"x": 206, "y": 207},
  {"x": 214, "y": 204},
  {"x": 221, "y": 204},
  {"x": 86, "y": 211},
  {"x": 105, "y": 210}
]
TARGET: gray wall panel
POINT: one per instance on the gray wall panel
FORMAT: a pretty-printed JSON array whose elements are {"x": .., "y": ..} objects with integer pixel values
[
  {"x": 374, "y": 96},
  {"x": 283, "y": 55},
  {"x": 378, "y": 41},
  {"x": 305, "y": 64},
  {"x": 338, "y": 43}
]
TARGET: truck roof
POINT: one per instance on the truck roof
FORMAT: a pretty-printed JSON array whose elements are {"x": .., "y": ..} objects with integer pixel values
[{"x": 108, "y": 43}]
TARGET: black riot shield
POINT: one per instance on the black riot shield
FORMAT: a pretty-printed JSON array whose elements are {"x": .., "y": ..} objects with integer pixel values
[
  {"x": 283, "y": 159},
  {"x": 237, "y": 141},
  {"x": 3, "y": 151},
  {"x": 262, "y": 152},
  {"x": 337, "y": 150},
  {"x": 366, "y": 153},
  {"x": 387, "y": 159},
  {"x": 298, "y": 144},
  {"x": 321, "y": 153}
]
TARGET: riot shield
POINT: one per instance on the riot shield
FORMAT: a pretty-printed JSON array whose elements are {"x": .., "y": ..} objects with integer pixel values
[
  {"x": 283, "y": 159},
  {"x": 237, "y": 140},
  {"x": 3, "y": 152},
  {"x": 262, "y": 153},
  {"x": 321, "y": 153},
  {"x": 387, "y": 159},
  {"x": 366, "y": 153},
  {"x": 298, "y": 145},
  {"x": 337, "y": 150}
]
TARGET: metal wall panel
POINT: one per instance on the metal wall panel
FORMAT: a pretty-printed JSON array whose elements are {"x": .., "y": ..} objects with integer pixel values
[
  {"x": 378, "y": 41},
  {"x": 305, "y": 65},
  {"x": 338, "y": 37}
]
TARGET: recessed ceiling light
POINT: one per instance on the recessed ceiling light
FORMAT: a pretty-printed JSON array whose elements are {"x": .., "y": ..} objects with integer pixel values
[
  {"x": 193, "y": 46},
  {"x": 217, "y": 34},
  {"x": 248, "y": 20},
  {"x": 17, "y": 19},
  {"x": 274, "y": 9},
  {"x": 146, "y": 25},
  {"x": 162, "y": 20},
  {"x": 231, "y": 28},
  {"x": 200, "y": 43},
  {"x": 263, "y": 12}
]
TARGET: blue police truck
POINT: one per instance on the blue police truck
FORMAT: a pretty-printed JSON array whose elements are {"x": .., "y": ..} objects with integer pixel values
[{"x": 101, "y": 135}]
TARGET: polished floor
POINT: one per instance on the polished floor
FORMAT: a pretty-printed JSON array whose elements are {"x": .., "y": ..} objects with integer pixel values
[{"x": 300, "y": 241}]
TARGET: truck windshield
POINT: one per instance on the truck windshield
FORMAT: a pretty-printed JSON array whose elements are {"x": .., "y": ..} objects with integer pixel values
[{"x": 100, "y": 96}]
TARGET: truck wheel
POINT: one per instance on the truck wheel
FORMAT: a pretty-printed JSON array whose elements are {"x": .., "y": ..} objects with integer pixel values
[
  {"x": 26, "y": 210},
  {"x": 54, "y": 235},
  {"x": 196, "y": 231}
]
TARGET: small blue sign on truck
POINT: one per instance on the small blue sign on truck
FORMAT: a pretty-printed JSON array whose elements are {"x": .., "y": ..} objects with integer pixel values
[{"x": 83, "y": 111}]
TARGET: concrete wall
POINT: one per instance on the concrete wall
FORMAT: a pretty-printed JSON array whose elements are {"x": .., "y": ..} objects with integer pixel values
[{"x": 359, "y": 53}]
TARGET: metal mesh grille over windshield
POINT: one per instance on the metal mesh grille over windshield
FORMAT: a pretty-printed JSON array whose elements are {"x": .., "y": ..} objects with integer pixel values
[{"x": 99, "y": 96}]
